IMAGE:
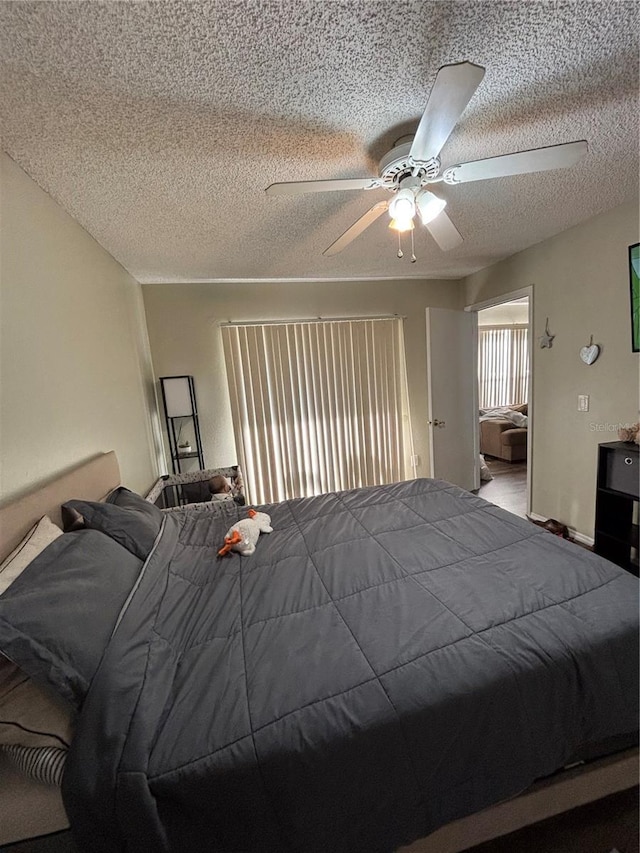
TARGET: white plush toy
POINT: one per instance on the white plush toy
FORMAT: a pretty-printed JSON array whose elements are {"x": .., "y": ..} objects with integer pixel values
[{"x": 243, "y": 535}]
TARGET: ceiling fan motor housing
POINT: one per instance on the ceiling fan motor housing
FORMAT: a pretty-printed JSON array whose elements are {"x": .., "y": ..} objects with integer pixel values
[{"x": 397, "y": 165}]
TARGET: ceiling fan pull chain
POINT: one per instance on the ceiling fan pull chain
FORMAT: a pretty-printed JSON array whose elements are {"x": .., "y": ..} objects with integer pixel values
[
  {"x": 413, "y": 250},
  {"x": 400, "y": 252}
]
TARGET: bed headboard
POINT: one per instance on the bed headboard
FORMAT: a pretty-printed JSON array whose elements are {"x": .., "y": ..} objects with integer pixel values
[{"x": 90, "y": 481}]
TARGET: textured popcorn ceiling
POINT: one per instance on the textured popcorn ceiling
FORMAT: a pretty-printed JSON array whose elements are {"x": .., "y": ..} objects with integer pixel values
[{"x": 158, "y": 125}]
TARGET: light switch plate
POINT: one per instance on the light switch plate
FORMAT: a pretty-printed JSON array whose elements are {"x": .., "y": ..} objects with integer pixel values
[{"x": 583, "y": 402}]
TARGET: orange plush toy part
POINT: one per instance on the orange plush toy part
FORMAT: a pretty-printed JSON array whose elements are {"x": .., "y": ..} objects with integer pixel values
[{"x": 229, "y": 542}]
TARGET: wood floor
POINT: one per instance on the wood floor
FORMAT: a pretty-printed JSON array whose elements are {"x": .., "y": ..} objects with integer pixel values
[
  {"x": 508, "y": 488},
  {"x": 598, "y": 827}
]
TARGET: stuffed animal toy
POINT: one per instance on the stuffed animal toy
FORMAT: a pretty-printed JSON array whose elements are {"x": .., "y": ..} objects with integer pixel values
[
  {"x": 243, "y": 535},
  {"x": 630, "y": 433}
]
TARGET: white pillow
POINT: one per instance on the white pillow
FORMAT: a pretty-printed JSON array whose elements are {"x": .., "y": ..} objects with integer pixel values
[{"x": 41, "y": 534}]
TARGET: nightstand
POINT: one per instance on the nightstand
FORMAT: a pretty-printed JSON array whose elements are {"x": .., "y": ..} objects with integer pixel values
[{"x": 617, "y": 495}]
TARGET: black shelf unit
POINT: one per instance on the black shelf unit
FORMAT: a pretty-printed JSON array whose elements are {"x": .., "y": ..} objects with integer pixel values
[
  {"x": 617, "y": 500},
  {"x": 180, "y": 410}
]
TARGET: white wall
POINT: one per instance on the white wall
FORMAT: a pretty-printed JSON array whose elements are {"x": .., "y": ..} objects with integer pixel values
[
  {"x": 183, "y": 323},
  {"x": 75, "y": 377},
  {"x": 581, "y": 283}
]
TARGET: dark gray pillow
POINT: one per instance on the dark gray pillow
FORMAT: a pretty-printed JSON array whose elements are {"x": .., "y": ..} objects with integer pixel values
[
  {"x": 126, "y": 517},
  {"x": 127, "y": 499},
  {"x": 56, "y": 618}
]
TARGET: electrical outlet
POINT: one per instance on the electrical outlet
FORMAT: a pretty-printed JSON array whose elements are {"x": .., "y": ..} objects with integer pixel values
[
  {"x": 583, "y": 402},
  {"x": 415, "y": 461}
]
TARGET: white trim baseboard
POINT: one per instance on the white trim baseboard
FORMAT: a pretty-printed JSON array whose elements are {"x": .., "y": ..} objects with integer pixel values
[{"x": 579, "y": 537}]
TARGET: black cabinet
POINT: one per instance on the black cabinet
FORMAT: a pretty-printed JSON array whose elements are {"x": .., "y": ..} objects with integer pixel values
[
  {"x": 183, "y": 427},
  {"x": 617, "y": 496}
]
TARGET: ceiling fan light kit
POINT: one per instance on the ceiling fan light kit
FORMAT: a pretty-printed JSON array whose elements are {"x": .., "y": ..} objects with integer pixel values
[
  {"x": 429, "y": 206},
  {"x": 403, "y": 205},
  {"x": 413, "y": 165},
  {"x": 401, "y": 225}
]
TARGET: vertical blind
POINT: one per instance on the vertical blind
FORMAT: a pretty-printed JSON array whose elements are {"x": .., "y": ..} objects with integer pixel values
[
  {"x": 318, "y": 406},
  {"x": 503, "y": 365}
]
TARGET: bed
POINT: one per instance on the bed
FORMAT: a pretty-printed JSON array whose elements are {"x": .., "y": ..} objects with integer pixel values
[{"x": 406, "y": 665}]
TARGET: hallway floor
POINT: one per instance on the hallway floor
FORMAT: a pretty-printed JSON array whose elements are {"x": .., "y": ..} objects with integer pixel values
[{"x": 508, "y": 488}]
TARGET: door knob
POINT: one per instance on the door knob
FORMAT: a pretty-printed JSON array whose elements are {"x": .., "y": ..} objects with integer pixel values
[{"x": 437, "y": 423}]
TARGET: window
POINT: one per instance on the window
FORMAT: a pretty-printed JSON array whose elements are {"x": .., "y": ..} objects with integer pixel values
[
  {"x": 503, "y": 365},
  {"x": 318, "y": 406}
]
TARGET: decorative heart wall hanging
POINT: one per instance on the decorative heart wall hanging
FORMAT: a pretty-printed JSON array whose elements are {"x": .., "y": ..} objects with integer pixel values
[{"x": 590, "y": 353}]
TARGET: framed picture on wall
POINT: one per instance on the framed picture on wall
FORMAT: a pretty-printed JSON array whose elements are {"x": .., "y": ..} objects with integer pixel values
[{"x": 634, "y": 283}]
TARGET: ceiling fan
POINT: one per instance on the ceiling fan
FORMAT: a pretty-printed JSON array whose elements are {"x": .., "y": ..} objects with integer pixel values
[{"x": 411, "y": 169}]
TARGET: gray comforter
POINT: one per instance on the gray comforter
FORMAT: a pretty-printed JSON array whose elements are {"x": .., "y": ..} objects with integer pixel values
[{"x": 388, "y": 660}]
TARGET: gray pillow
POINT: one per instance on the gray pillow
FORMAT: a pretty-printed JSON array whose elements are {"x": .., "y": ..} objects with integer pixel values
[
  {"x": 127, "y": 499},
  {"x": 56, "y": 618},
  {"x": 126, "y": 517}
]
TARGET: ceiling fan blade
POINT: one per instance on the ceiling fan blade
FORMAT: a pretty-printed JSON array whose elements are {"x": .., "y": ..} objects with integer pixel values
[
  {"x": 453, "y": 89},
  {"x": 357, "y": 228},
  {"x": 444, "y": 232},
  {"x": 520, "y": 163},
  {"x": 299, "y": 187}
]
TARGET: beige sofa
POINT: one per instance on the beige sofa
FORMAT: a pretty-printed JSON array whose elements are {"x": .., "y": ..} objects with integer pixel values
[{"x": 501, "y": 439}]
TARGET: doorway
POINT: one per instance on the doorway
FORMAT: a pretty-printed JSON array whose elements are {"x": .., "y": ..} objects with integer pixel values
[{"x": 504, "y": 400}]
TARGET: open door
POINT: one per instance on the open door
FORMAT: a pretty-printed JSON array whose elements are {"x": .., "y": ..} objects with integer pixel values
[{"x": 452, "y": 343}]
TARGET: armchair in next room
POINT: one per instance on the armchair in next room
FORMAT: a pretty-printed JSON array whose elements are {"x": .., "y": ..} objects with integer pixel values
[{"x": 500, "y": 438}]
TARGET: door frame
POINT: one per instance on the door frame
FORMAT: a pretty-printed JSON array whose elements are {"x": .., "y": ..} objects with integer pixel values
[{"x": 490, "y": 303}]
